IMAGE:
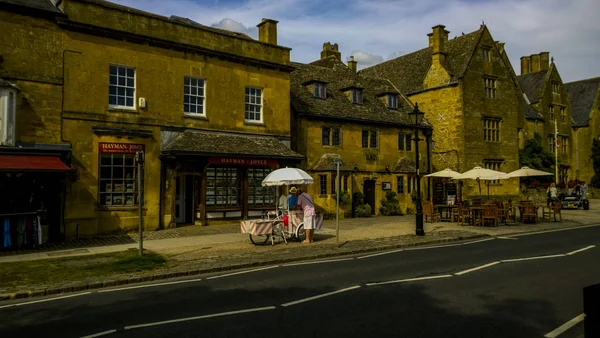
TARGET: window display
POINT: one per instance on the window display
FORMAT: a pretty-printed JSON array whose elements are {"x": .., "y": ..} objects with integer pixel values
[
  {"x": 117, "y": 180},
  {"x": 257, "y": 194},
  {"x": 222, "y": 187}
]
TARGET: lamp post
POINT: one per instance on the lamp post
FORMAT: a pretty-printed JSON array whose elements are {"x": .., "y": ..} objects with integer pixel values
[{"x": 416, "y": 117}]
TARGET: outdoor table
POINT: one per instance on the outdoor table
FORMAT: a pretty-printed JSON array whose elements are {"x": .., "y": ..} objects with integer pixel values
[{"x": 446, "y": 212}]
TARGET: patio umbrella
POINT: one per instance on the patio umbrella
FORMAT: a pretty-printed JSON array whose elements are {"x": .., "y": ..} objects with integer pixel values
[
  {"x": 479, "y": 173},
  {"x": 528, "y": 172},
  {"x": 446, "y": 173},
  {"x": 287, "y": 176}
]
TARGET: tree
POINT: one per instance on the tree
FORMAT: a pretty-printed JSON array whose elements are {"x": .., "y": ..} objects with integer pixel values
[
  {"x": 596, "y": 161},
  {"x": 534, "y": 156}
]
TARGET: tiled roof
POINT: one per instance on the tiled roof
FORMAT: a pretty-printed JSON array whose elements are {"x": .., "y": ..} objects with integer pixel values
[
  {"x": 337, "y": 105},
  {"x": 408, "y": 71},
  {"x": 212, "y": 143},
  {"x": 404, "y": 165},
  {"x": 327, "y": 163},
  {"x": 43, "y": 5},
  {"x": 532, "y": 84},
  {"x": 582, "y": 94}
]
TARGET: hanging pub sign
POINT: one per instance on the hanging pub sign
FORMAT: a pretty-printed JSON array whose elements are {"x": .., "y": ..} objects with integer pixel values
[
  {"x": 242, "y": 161},
  {"x": 119, "y": 148}
]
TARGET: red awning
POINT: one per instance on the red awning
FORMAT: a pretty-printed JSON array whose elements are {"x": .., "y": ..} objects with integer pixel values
[{"x": 33, "y": 163}]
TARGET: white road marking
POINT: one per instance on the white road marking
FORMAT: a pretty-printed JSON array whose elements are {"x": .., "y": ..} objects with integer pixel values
[
  {"x": 381, "y": 253},
  {"x": 555, "y": 230},
  {"x": 566, "y": 326},
  {"x": 45, "y": 300},
  {"x": 408, "y": 280},
  {"x": 221, "y": 314},
  {"x": 479, "y": 241},
  {"x": 151, "y": 285},
  {"x": 477, "y": 268},
  {"x": 100, "y": 334},
  {"x": 580, "y": 250},
  {"x": 530, "y": 258},
  {"x": 241, "y": 272},
  {"x": 318, "y": 262},
  {"x": 320, "y": 296},
  {"x": 507, "y": 238},
  {"x": 432, "y": 247}
]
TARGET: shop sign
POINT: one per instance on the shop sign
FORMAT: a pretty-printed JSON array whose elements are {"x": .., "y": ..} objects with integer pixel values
[
  {"x": 119, "y": 148},
  {"x": 242, "y": 161}
]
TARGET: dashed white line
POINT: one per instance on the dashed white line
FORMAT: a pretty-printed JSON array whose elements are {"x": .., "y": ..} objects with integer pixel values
[
  {"x": 242, "y": 272},
  {"x": 580, "y": 250},
  {"x": 318, "y": 262},
  {"x": 151, "y": 285},
  {"x": 477, "y": 268},
  {"x": 380, "y": 254},
  {"x": 229, "y": 313},
  {"x": 320, "y": 296},
  {"x": 479, "y": 241},
  {"x": 503, "y": 237},
  {"x": 408, "y": 280},
  {"x": 531, "y": 258},
  {"x": 45, "y": 300},
  {"x": 565, "y": 327},
  {"x": 100, "y": 334}
]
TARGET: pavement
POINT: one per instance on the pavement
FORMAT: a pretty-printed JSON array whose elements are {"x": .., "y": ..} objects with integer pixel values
[{"x": 517, "y": 286}]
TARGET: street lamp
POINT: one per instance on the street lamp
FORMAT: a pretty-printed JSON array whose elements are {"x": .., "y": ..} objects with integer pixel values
[{"x": 416, "y": 117}]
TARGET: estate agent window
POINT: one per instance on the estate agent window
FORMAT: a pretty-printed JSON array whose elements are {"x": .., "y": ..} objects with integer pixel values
[
  {"x": 121, "y": 89},
  {"x": 257, "y": 194},
  {"x": 117, "y": 174},
  {"x": 331, "y": 136},
  {"x": 193, "y": 96},
  {"x": 253, "y": 104},
  {"x": 222, "y": 187},
  {"x": 369, "y": 138}
]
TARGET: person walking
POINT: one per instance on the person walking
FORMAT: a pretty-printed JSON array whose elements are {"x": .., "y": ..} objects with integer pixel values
[
  {"x": 551, "y": 193},
  {"x": 584, "y": 190},
  {"x": 307, "y": 206}
]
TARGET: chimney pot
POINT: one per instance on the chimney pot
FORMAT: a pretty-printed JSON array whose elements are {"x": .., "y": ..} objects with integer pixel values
[
  {"x": 352, "y": 64},
  {"x": 544, "y": 60},
  {"x": 267, "y": 31},
  {"x": 535, "y": 63},
  {"x": 525, "y": 65},
  {"x": 331, "y": 50}
]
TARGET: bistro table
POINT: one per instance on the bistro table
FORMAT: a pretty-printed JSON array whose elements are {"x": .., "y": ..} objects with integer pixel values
[{"x": 446, "y": 212}]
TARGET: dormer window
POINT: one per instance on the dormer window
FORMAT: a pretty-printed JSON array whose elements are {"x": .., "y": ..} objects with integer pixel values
[
  {"x": 357, "y": 96},
  {"x": 392, "y": 101},
  {"x": 319, "y": 90}
]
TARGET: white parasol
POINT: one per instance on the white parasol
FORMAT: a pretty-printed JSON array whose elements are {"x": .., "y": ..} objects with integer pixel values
[
  {"x": 287, "y": 176},
  {"x": 479, "y": 174},
  {"x": 527, "y": 172},
  {"x": 446, "y": 173}
]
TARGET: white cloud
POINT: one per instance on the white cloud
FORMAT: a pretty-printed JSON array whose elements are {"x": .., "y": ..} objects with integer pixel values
[
  {"x": 366, "y": 59},
  {"x": 234, "y": 26},
  {"x": 568, "y": 29}
]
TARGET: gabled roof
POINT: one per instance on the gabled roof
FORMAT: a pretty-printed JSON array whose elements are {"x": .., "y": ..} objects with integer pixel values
[
  {"x": 337, "y": 105},
  {"x": 582, "y": 94},
  {"x": 42, "y": 5},
  {"x": 409, "y": 71},
  {"x": 533, "y": 84}
]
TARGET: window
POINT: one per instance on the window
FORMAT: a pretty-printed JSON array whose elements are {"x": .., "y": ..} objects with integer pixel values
[
  {"x": 121, "y": 89},
  {"x": 193, "y": 96},
  {"x": 117, "y": 177},
  {"x": 319, "y": 90},
  {"x": 345, "y": 182},
  {"x": 404, "y": 142},
  {"x": 323, "y": 184},
  {"x": 412, "y": 184},
  {"x": 408, "y": 143},
  {"x": 7, "y": 117},
  {"x": 373, "y": 139},
  {"x": 490, "y": 87},
  {"x": 357, "y": 96},
  {"x": 493, "y": 165},
  {"x": 330, "y": 136},
  {"x": 487, "y": 55},
  {"x": 563, "y": 115},
  {"x": 253, "y": 104},
  {"x": 400, "y": 184},
  {"x": 333, "y": 183},
  {"x": 257, "y": 194},
  {"x": 563, "y": 144},
  {"x": 392, "y": 101},
  {"x": 491, "y": 130},
  {"x": 551, "y": 144},
  {"x": 223, "y": 188},
  {"x": 401, "y": 138},
  {"x": 556, "y": 92}
]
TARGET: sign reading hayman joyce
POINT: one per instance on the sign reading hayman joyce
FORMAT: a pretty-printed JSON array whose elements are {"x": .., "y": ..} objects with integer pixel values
[
  {"x": 119, "y": 148},
  {"x": 241, "y": 161}
]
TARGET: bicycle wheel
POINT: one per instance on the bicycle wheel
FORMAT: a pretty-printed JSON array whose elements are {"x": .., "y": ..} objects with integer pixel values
[
  {"x": 300, "y": 233},
  {"x": 259, "y": 239}
]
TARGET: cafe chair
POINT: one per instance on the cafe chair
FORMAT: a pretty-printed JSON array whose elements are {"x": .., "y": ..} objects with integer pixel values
[
  {"x": 490, "y": 214},
  {"x": 430, "y": 213}
]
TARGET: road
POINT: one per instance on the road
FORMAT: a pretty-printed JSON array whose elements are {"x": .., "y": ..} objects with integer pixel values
[{"x": 474, "y": 289}]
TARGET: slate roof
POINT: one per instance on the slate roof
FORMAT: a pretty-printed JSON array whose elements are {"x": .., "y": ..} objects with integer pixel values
[
  {"x": 404, "y": 165},
  {"x": 338, "y": 76},
  {"x": 212, "y": 143},
  {"x": 408, "y": 71},
  {"x": 327, "y": 163},
  {"x": 582, "y": 94},
  {"x": 532, "y": 84},
  {"x": 43, "y": 5}
]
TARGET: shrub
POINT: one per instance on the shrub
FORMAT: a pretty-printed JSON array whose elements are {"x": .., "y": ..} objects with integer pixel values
[
  {"x": 389, "y": 205},
  {"x": 363, "y": 210},
  {"x": 345, "y": 198}
]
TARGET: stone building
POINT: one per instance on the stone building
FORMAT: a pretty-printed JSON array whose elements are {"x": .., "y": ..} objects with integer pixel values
[
  {"x": 471, "y": 96},
  {"x": 550, "y": 112},
  {"x": 208, "y": 107},
  {"x": 362, "y": 122}
]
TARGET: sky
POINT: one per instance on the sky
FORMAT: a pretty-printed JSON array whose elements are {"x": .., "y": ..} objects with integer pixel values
[{"x": 377, "y": 30}]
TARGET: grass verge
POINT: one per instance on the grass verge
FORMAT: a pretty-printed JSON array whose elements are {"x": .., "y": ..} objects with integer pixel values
[{"x": 51, "y": 271}]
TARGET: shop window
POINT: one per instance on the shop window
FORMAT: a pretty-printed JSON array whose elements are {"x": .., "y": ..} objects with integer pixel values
[
  {"x": 7, "y": 117},
  {"x": 222, "y": 187},
  {"x": 319, "y": 90},
  {"x": 121, "y": 91},
  {"x": 117, "y": 185},
  {"x": 323, "y": 184},
  {"x": 193, "y": 96},
  {"x": 392, "y": 101},
  {"x": 331, "y": 136},
  {"x": 253, "y": 104},
  {"x": 369, "y": 138},
  {"x": 490, "y": 87},
  {"x": 493, "y": 165},
  {"x": 357, "y": 96},
  {"x": 400, "y": 184},
  {"x": 257, "y": 194},
  {"x": 491, "y": 130}
]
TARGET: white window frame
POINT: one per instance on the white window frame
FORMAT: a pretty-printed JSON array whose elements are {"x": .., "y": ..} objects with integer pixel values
[
  {"x": 247, "y": 95},
  {"x": 126, "y": 86},
  {"x": 357, "y": 96},
  {"x": 8, "y": 112},
  {"x": 320, "y": 90},
  {"x": 392, "y": 101},
  {"x": 200, "y": 97}
]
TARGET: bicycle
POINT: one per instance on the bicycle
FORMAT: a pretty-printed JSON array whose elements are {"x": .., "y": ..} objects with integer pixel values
[{"x": 291, "y": 231}]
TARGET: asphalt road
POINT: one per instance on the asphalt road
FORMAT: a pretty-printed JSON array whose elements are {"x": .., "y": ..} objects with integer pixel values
[{"x": 354, "y": 297}]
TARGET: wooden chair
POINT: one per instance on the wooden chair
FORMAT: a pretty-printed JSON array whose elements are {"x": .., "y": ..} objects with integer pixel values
[
  {"x": 529, "y": 213},
  {"x": 462, "y": 215},
  {"x": 490, "y": 213},
  {"x": 556, "y": 208},
  {"x": 430, "y": 212}
]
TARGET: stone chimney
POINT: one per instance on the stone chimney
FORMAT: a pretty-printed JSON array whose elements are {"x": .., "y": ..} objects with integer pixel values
[
  {"x": 352, "y": 64},
  {"x": 267, "y": 31},
  {"x": 544, "y": 60},
  {"x": 438, "y": 39},
  {"x": 535, "y": 63},
  {"x": 331, "y": 50},
  {"x": 525, "y": 65}
]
